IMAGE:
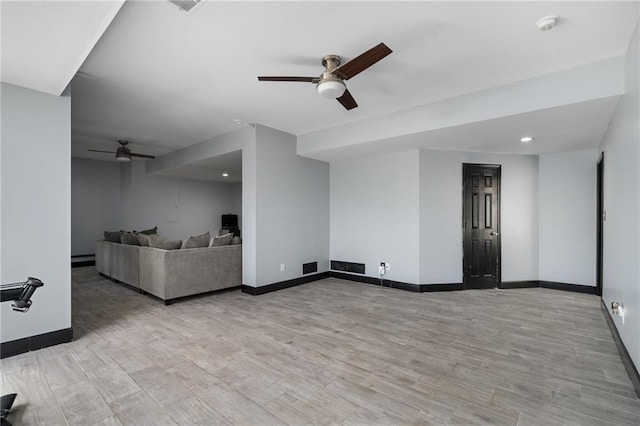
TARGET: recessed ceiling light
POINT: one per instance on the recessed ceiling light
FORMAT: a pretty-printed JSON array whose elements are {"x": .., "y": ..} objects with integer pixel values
[
  {"x": 546, "y": 23},
  {"x": 225, "y": 175},
  {"x": 526, "y": 139}
]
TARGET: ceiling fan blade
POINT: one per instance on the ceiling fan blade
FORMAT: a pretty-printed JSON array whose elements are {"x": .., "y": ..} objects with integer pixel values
[
  {"x": 133, "y": 154},
  {"x": 98, "y": 150},
  {"x": 299, "y": 79},
  {"x": 347, "y": 100},
  {"x": 364, "y": 61}
]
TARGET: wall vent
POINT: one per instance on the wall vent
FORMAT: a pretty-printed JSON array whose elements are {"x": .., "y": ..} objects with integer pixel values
[
  {"x": 356, "y": 268},
  {"x": 308, "y": 268}
]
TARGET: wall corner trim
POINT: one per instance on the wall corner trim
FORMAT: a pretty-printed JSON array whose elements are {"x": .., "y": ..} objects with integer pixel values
[
  {"x": 576, "y": 288},
  {"x": 256, "y": 291},
  {"x": 417, "y": 288},
  {"x": 32, "y": 343},
  {"x": 632, "y": 371}
]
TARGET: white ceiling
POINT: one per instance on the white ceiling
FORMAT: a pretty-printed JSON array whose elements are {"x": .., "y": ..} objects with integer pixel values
[
  {"x": 210, "y": 169},
  {"x": 570, "y": 127},
  {"x": 44, "y": 43},
  {"x": 166, "y": 79}
]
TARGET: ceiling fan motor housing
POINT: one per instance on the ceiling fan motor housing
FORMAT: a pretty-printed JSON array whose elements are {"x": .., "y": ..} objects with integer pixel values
[
  {"x": 123, "y": 153},
  {"x": 330, "y": 86}
]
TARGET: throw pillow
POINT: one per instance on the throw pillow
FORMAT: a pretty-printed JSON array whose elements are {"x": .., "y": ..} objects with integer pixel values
[
  {"x": 196, "y": 241},
  {"x": 222, "y": 240},
  {"x": 236, "y": 240},
  {"x": 152, "y": 231},
  {"x": 143, "y": 239},
  {"x": 112, "y": 236},
  {"x": 164, "y": 243},
  {"x": 129, "y": 238}
]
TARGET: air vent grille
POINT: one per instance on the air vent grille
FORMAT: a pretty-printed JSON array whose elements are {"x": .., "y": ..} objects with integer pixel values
[
  {"x": 185, "y": 5},
  {"x": 356, "y": 268}
]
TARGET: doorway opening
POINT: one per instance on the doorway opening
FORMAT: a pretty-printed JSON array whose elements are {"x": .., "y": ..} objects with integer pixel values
[{"x": 481, "y": 225}]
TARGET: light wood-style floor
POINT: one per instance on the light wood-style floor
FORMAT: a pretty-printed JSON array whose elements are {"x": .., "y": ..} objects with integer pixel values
[{"x": 329, "y": 352}]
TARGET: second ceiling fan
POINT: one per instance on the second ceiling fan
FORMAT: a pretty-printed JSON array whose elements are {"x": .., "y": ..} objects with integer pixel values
[
  {"x": 330, "y": 83},
  {"x": 123, "y": 153}
]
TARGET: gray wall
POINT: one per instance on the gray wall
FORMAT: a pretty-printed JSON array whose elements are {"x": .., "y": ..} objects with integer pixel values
[
  {"x": 406, "y": 209},
  {"x": 292, "y": 206},
  {"x": 567, "y": 200},
  {"x": 374, "y": 213},
  {"x": 95, "y": 202},
  {"x": 36, "y": 207},
  {"x": 622, "y": 204},
  {"x": 109, "y": 196},
  {"x": 200, "y": 203},
  {"x": 441, "y": 215}
]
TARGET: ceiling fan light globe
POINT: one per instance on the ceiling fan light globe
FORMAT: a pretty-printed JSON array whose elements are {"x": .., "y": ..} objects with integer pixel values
[
  {"x": 331, "y": 89},
  {"x": 122, "y": 157}
]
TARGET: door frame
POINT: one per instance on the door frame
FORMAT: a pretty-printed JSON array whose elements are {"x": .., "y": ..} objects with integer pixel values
[
  {"x": 498, "y": 169},
  {"x": 600, "y": 224}
]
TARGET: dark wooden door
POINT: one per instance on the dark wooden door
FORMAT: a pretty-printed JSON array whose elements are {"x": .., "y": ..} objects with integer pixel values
[
  {"x": 600, "y": 226},
  {"x": 481, "y": 222}
]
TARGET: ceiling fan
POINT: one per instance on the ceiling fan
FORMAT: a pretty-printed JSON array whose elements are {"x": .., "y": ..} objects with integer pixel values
[
  {"x": 123, "y": 153},
  {"x": 330, "y": 84}
]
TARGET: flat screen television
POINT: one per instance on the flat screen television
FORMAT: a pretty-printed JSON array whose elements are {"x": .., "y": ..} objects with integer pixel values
[{"x": 229, "y": 220}]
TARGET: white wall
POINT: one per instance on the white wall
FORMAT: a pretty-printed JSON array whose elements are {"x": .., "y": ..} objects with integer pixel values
[
  {"x": 441, "y": 215},
  {"x": 95, "y": 202},
  {"x": 201, "y": 204},
  {"x": 374, "y": 213},
  {"x": 292, "y": 207},
  {"x": 36, "y": 207},
  {"x": 622, "y": 205},
  {"x": 406, "y": 209},
  {"x": 567, "y": 200}
]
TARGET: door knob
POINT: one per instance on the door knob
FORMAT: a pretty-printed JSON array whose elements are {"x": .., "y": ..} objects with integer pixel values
[{"x": 494, "y": 233}]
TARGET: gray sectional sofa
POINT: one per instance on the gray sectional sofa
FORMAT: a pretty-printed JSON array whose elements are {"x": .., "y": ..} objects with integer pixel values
[{"x": 171, "y": 274}]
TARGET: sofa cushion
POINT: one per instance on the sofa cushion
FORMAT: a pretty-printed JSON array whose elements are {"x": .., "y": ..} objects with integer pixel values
[
  {"x": 112, "y": 236},
  {"x": 196, "y": 241},
  {"x": 143, "y": 239},
  {"x": 222, "y": 240},
  {"x": 152, "y": 231},
  {"x": 164, "y": 243},
  {"x": 129, "y": 238}
]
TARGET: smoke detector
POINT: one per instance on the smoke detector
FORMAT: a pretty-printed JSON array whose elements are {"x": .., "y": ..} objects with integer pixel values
[
  {"x": 186, "y": 5},
  {"x": 546, "y": 23}
]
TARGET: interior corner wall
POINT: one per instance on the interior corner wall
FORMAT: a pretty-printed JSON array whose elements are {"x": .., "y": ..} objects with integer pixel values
[
  {"x": 236, "y": 202},
  {"x": 95, "y": 202},
  {"x": 567, "y": 200},
  {"x": 199, "y": 204},
  {"x": 292, "y": 208},
  {"x": 36, "y": 207},
  {"x": 621, "y": 146},
  {"x": 374, "y": 213},
  {"x": 243, "y": 139},
  {"x": 441, "y": 215}
]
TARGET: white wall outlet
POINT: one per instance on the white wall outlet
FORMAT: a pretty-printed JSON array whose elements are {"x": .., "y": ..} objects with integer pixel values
[
  {"x": 382, "y": 269},
  {"x": 282, "y": 267}
]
